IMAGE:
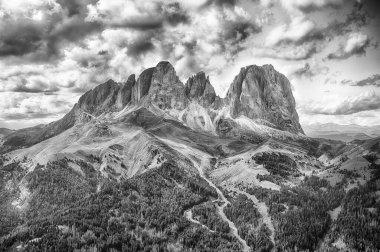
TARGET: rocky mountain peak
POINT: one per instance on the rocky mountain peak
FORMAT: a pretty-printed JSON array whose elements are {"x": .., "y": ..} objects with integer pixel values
[
  {"x": 199, "y": 88},
  {"x": 166, "y": 90},
  {"x": 164, "y": 73},
  {"x": 263, "y": 93}
]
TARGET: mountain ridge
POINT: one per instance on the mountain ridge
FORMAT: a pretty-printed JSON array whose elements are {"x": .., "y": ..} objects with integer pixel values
[{"x": 258, "y": 95}]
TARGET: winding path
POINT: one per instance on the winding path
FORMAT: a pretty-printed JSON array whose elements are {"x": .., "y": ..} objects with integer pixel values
[
  {"x": 263, "y": 210},
  {"x": 205, "y": 163},
  {"x": 191, "y": 153}
]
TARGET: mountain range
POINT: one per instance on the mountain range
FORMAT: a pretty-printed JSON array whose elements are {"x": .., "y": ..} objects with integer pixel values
[
  {"x": 344, "y": 133},
  {"x": 154, "y": 164}
]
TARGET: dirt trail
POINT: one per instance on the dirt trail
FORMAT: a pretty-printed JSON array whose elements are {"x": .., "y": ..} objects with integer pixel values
[
  {"x": 204, "y": 164},
  {"x": 189, "y": 215}
]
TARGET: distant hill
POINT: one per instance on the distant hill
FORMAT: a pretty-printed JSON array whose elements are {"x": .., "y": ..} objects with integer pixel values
[
  {"x": 346, "y": 133},
  {"x": 5, "y": 131}
]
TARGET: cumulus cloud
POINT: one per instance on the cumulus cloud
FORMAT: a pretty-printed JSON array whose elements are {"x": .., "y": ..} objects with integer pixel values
[
  {"x": 356, "y": 44},
  {"x": 298, "y": 31},
  {"x": 366, "y": 101},
  {"x": 19, "y": 38},
  {"x": 38, "y": 30}
]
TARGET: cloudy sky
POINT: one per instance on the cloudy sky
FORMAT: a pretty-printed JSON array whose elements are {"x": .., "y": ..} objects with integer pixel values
[{"x": 52, "y": 51}]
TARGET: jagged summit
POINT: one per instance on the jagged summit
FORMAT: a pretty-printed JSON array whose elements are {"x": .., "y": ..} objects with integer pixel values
[
  {"x": 259, "y": 100},
  {"x": 257, "y": 93},
  {"x": 199, "y": 88}
]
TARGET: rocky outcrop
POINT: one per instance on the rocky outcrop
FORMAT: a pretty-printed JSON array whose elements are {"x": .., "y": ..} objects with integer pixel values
[
  {"x": 265, "y": 94},
  {"x": 103, "y": 98},
  {"x": 160, "y": 86},
  {"x": 167, "y": 91},
  {"x": 199, "y": 88},
  {"x": 142, "y": 86},
  {"x": 125, "y": 93}
]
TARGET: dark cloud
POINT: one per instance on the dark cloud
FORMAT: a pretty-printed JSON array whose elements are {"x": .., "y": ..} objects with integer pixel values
[
  {"x": 372, "y": 7},
  {"x": 92, "y": 60},
  {"x": 239, "y": 31},
  {"x": 39, "y": 41},
  {"x": 70, "y": 30},
  {"x": 221, "y": 3},
  {"x": 354, "y": 20},
  {"x": 304, "y": 71},
  {"x": 103, "y": 52},
  {"x": 171, "y": 13},
  {"x": 175, "y": 15},
  {"x": 234, "y": 33},
  {"x": 19, "y": 37},
  {"x": 316, "y": 5},
  {"x": 140, "y": 46},
  {"x": 373, "y": 80},
  {"x": 142, "y": 23},
  {"x": 75, "y": 7}
]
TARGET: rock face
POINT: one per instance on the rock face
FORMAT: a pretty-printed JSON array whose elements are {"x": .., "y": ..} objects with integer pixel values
[
  {"x": 199, "y": 88},
  {"x": 160, "y": 86},
  {"x": 265, "y": 94},
  {"x": 167, "y": 91},
  {"x": 141, "y": 87},
  {"x": 125, "y": 94},
  {"x": 103, "y": 98}
]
